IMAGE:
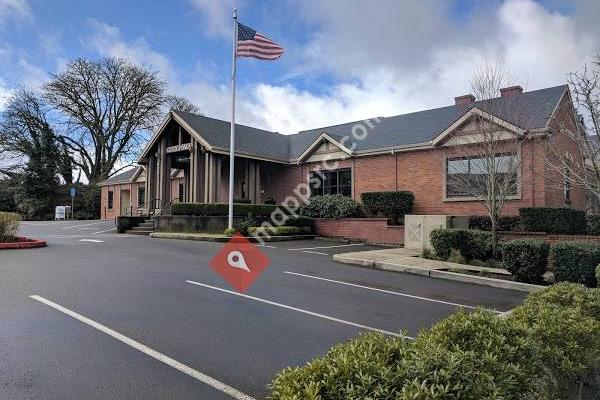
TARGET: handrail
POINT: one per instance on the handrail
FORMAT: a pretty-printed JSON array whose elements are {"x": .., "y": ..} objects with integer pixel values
[{"x": 167, "y": 207}]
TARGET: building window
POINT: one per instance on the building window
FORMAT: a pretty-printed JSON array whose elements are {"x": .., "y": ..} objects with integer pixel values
[
  {"x": 141, "y": 196},
  {"x": 338, "y": 181},
  {"x": 110, "y": 199},
  {"x": 181, "y": 192},
  {"x": 469, "y": 177}
]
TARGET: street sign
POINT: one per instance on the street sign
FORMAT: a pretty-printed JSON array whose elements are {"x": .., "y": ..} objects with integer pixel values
[
  {"x": 239, "y": 262},
  {"x": 73, "y": 192}
]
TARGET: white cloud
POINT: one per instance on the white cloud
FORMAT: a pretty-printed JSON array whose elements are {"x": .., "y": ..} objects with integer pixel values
[
  {"x": 5, "y": 93},
  {"x": 217, "y": 16},
  {"x": 14, "y": 9}
]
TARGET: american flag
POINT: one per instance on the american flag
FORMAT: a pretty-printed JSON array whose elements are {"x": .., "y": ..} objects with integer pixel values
[{"x": 253, "y": 44}]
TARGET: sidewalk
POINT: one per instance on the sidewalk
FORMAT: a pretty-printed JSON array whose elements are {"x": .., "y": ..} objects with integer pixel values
[{"x": 408, "y": 261}]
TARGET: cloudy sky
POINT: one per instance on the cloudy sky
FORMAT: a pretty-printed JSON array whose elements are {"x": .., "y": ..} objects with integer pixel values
[{"x": 344, "y": 60}]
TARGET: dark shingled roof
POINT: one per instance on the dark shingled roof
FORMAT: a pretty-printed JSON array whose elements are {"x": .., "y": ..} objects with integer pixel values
[
  {"x": 528, "y": 110},
  {"x": 123, "y": 177}
]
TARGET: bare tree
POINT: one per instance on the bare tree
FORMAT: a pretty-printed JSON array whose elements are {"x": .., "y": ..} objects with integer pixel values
[
  {"x": 482, "y": 157},
  {"x": 109, "y": 105},
  {"x": 572, "y": 153},
  {"x": 178, "y": 103}
]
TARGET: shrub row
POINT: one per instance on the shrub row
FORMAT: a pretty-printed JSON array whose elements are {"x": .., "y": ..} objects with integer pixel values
[
  {"x": 279, "y": 230},
  {"x": 220, "y": 209},
  {"x": 553, "y": 220},
  {"x": 9, "y": 226},
  {"x": 543, "y": 349},
  {"x": 332, "y": 206},
  {"x": 390, "y": 204},
  {"x": 504, "y": 223},
  {"x": 473, "y": 245}
]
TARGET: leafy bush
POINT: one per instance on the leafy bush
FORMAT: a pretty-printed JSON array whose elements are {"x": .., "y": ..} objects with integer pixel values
[
  {"x": 242, "y": 201},
  {"x": 221, "y": 209},
  {"x": 553, "y": 220},
  {"x": 593, "y": 224},
  {"x": 456, "y": 257},
  {"x": 471, "y": 243},
  {"x": 504, "y": 223},
  {"x": 526, "y": 259},
  {"x": 278, "y": 230},
  {"x": 332, "y": 206},
  {"x": 246, "y": 224},
  {"x": 9, "y": 226},
  {"x": 575, "y": 262},
  {"x": 229, "y": 232},
  {"x": 565, "y": 321},
  {"x": 301, "y": 221},
  {"x": 390, "y": 204},
  {"x": 598, "y": 275}
]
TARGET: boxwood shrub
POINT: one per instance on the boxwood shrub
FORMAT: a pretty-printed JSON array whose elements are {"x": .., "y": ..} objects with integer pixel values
[
  {"x": 593, "y": 224},
  {"x": 525, "y": 259},
  {"x": 390, "y": 204},
  {"x": 473, "y": 245},
  {"x": 221, "y": 209},
  {"x": 301, "y": 221},
  {"x": 332, "y": 206},
  {"x": 553, "y": 220},
  {"x": 279, "y": 230},
  {"x": 504, "y": 223},
  {"x": 542, "y": 350},
  {"x": 575, "y": 262}
]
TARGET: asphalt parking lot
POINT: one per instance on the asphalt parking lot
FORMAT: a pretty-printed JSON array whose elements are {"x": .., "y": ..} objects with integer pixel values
[{"x": 130, "y": 317}]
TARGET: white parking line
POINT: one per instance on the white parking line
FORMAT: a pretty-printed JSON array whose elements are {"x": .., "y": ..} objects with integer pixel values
[
  {"x": 108, "y": 230},
  {"x": 329, "y": 247},
  {"x": 448, "y": 303},
  {"x": 301, "y": 310},
  {"x": 315, "y": 252},
  {"x": 236, "y": 394},
  {"x": 79, "y": 225},
  {"x": 265, "y": 245},
  {"x": 91, "y": 240}
]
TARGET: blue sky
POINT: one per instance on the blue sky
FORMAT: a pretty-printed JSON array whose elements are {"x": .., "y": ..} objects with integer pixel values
[{"x": 344, "y": 60}]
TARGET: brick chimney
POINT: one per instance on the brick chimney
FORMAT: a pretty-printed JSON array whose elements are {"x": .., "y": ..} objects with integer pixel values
[
  {"x": 463, "y": 100},
  {"x": 511, "y": 91}
]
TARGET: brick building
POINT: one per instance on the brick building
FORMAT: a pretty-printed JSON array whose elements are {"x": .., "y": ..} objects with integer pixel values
[{"x": 187, "y": 159}]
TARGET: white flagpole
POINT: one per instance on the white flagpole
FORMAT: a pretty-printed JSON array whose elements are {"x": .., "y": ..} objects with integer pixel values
[{"x": 232, "y": 135}]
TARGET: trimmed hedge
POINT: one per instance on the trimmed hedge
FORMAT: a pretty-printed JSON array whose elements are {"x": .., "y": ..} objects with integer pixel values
[
  {"x": 553, "y": 220},
  {"x": 473, "y": 245},
  {"x": 541, "y": 350},
  {"x": 332, "y": 206},
  {"x": 525, "y": 259},
  {"x": 390, "y": 204},
  {"x": 220, "y": 209},
  {"x": 301, "y": 221},
  {"x": 279, "y": 230},
  {"x": 9, "y": 226},
  {"x": 593, "y": 224},
  {"x": 575, "y": 262},
  {"x": 504, "y": 223}
]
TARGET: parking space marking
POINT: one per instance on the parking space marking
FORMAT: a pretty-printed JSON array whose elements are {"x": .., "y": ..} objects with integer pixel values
[
  {"x": 448, "y": 303},
  {"x": 266, "y": 245},
  {"x": 315, "y": 252},
  {"x": 108, "y": 230},
  {"x": 91, "y": 240},
  {"x": 300, "y": 310},
  {"x": 80, "y": 225},
  {"x": 214, "y": 383},
  {"x": 329, "y": 247}
]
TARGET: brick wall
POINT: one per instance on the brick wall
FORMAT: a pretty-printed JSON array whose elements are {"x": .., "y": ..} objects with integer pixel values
[{"x": 372, "y": 230}]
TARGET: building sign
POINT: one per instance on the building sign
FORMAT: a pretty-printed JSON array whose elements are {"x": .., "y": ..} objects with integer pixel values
[{"x": 179, "y": 147}]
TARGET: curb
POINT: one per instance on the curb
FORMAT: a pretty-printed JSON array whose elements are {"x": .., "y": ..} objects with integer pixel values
[
  {"x": 223, "y": 239},
  {"x": 432, "y": 273},
  {"x": 23, "y": 243}
]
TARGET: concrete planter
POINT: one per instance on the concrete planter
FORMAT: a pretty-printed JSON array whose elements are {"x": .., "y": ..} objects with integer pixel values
[
  {"x": 23, "y": 243},
  {"x": 193, "y": 224}
]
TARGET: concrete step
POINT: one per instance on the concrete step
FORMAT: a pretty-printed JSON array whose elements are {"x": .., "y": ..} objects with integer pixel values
[
  {"x": 141, "y": 228},
  {"x": 139, "y": 232},
  {"x": 146, "y": 225}
]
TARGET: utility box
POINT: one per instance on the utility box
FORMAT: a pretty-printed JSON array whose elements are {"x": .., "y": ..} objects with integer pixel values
[
  {"x": 418, "y": 227},
  {"x": 62, "y": 212}
]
